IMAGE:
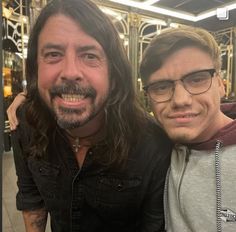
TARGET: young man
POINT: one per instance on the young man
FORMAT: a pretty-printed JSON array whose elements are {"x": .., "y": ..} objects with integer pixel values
[
  {"x": 85, "y": 152},
  {"x": 181, "y": 72}
]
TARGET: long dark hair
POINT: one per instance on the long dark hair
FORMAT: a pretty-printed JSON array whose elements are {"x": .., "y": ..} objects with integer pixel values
[{"x": 125, "y": 118}]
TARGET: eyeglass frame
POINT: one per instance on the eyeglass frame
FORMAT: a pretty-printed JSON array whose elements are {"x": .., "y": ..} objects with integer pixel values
[{"x": 211, "y": 71}]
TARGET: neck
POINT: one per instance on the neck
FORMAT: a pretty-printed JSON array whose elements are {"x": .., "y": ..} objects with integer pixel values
[
  {"x": 89, "y": 128},
  {"x": 86, "y": 136}
]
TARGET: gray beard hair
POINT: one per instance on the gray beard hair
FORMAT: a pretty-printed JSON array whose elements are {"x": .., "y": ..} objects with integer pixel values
[
  {"x": 64, "y": 123},
  {"x": 68, "y": 125}
]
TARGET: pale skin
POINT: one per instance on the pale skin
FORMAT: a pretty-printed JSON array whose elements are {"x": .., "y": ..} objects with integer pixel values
[
  {"x": 78, "y": 59},
  {"x": 189, "y": 118},
  {"x": 11, "y": 110}
]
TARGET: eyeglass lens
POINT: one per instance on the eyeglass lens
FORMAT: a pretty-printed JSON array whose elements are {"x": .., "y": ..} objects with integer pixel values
[{"x": 195, "y": 83}]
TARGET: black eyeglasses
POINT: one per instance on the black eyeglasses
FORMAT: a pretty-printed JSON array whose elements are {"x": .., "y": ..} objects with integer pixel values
[{"x": 195, "y": 83}]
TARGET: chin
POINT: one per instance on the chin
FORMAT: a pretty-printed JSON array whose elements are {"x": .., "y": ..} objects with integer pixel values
[{"x": 181, "y": 137}]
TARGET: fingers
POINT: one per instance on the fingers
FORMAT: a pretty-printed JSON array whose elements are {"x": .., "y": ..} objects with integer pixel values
[
  {"x": 11, "y": 114},
  {"x": 11, "y": 111}
]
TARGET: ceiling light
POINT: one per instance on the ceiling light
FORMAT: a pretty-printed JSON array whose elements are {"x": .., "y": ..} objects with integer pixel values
[
  {"x": 150, "y": 2},
  {"x": 177, "y": 14},
  {"x": 157, "y": 10},
  {"x": 222, "y": 13},
  {"x": 205, "y": 15},
  {"x": 231, "y": 6}
]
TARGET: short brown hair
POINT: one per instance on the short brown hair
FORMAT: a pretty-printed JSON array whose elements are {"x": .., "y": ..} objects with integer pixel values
[{"x": 173, "y": 39}]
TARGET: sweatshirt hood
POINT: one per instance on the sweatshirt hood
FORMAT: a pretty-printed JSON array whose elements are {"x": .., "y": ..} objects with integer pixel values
[{"x": 226, "y": 135}]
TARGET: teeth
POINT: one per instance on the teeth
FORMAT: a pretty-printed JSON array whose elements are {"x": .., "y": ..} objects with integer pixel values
[
  {"x": 188, "y": 116},
  {"x": 72, "y": 97}
]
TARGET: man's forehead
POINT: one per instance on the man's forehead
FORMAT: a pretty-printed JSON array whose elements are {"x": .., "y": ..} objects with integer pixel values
[{"x": 53, "y": 35}]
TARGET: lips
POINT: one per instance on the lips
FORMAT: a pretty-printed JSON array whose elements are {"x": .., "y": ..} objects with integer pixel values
[
  {"x": 184, "y": 115},
  {"x": 183, "y": 119}
]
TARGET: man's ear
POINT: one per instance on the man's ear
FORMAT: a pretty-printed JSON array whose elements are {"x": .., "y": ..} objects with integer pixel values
[{"x": 221, "y": 85}]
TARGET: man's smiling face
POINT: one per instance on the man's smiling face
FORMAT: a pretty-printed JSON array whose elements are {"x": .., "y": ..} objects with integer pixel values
[
  {"x": 73, "y": 73},
  {"x": 186, "y": 117}
]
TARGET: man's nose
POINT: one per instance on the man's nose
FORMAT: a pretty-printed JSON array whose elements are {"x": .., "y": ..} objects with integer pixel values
[
  {"x": 181, "y": 96},
  {"x": 72, "y": 68}
]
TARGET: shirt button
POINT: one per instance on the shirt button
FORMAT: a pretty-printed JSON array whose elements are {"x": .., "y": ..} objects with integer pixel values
[{"x": 119, "y": 186}]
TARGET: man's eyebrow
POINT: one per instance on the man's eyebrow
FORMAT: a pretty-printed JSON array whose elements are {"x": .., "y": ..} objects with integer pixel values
[
  {"x": 51, "y": 46},
  {"x": 79, "y": 49},
  {"x": 87, "y": 48}
]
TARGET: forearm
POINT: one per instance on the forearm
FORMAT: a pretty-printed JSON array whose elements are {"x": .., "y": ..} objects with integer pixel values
[
  {"x": 11, "y": 110},
  {"x": 36, "y": 220}
]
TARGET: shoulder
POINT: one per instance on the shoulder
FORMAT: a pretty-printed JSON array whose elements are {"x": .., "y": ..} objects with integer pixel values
[
  {"x": 153, "y": 134},
  {"x": 229, "y": 109},
  {"x": 154, "y": 144},
  {"x": 24, "y": 130}
]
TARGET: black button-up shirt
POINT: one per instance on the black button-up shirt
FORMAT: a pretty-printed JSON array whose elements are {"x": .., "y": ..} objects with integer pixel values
[{"x": 95, "y": 198}]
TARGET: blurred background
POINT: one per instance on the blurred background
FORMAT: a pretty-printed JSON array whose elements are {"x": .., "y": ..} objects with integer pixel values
[{"x": 137, "y": 22}]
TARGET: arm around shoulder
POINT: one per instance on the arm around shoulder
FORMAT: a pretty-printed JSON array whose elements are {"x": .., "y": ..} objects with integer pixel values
[{"x": 11, "y": 111}]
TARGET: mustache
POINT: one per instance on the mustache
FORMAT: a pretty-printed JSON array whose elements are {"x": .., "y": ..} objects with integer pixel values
[{"x": 72, "y": 88}]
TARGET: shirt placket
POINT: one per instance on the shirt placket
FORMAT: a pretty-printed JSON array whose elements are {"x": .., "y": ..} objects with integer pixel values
[{"x": 77, "y": 192}]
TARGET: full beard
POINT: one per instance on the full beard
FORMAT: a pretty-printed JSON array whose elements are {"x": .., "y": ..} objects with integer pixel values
[{"x": 68, "y": 117}]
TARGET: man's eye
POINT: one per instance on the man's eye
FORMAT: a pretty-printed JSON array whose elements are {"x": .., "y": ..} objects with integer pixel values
[
  {"x": 52, "y": 54},
  {"x": 91, "y": 59},
  {"x": 51, "y": 57},
  {"x": 160, "y": 87},
  {"x": 89, "y": 56},
  {"x": 198, "y": 79}
]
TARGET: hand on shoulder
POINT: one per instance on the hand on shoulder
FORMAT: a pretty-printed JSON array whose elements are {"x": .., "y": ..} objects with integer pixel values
[{"x": 11, "y": 110}]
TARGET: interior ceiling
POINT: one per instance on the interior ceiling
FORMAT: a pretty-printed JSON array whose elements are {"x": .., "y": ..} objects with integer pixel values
[
  {"x": 196, "y": 8},
  {"x": 190, "y": 6}
]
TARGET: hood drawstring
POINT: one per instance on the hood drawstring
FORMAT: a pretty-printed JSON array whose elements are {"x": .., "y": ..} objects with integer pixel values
[{"x": 218, "y": 186}]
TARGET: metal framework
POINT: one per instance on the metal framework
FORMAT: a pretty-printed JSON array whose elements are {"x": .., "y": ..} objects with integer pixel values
[
  {"x": 16, "y": 18},
  {"x": 136, "y": 31},
  {"x": 225, "y": 41}
]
